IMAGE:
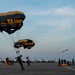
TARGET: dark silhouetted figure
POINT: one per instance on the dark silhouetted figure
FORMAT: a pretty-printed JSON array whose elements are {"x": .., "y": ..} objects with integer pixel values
[
  {"x": 20, "y": 61},
  {"x": 64, "y": 61},
  {"x": 28, "y": 61},
  {"x": 59, "y": 62},
  {"x": 8, "y": 61},
  {"x": 73, "y": 62}
]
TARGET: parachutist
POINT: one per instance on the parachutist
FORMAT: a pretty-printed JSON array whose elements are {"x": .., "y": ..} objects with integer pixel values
[
  {"x": 28, "y": 61},
  {"x": 20, "y": 61},
  {"x": 17, "y": 52}
]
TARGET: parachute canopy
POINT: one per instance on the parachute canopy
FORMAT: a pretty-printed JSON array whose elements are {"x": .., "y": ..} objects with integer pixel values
[
  {"x": 11, "y": 21},
  {"x": 63, "y": 51},
  {"x": 26, "y": 43}
]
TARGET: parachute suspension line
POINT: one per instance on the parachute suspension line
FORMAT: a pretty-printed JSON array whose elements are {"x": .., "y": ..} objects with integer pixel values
[
  {"x": 12, "y": 39},
  {"x": 18, "y": 34},
  {"x": 6, "y": 38},
  {"x": 18, "y": 39},
  {"x": 17, "y": 50}
]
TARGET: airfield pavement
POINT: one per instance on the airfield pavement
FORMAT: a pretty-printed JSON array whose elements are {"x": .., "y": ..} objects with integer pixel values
[{"x": 37, "y": 69}]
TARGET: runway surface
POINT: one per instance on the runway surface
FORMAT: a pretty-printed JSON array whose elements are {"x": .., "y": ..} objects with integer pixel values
[{"x": 37, "y": 69}]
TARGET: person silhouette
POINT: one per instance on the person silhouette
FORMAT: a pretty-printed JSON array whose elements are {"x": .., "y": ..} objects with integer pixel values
[
  {"x": 59, "y": 62},
  {"x": 73, "y": 62},
  {"x": 28, "y": 61},
  {"x": 20, "y": 61}
]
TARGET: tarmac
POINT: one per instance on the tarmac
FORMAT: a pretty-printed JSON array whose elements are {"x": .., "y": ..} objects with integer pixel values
[{"x": 37, "y": 69}]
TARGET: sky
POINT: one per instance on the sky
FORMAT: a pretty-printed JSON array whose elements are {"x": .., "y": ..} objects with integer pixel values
[{"x": 49, "y": 23}]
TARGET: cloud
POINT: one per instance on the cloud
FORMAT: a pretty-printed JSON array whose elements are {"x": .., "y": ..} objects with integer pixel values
[
  {"x": 64, "y": 11},
  {"x": 60, "y": 17},
  {"x": 61, "y": 11}
]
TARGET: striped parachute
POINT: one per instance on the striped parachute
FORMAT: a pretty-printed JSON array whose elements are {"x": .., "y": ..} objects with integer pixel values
[
  {"x": 11, "y": 21},
  {"x": 25, "y": 43}
]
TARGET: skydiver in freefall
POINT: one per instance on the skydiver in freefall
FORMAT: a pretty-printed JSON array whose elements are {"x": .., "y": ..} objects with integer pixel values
[{"x": 20, "y": 61}]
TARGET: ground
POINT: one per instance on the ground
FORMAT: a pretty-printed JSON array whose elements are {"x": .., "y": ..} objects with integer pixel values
[{"x": 37, "y": 69}]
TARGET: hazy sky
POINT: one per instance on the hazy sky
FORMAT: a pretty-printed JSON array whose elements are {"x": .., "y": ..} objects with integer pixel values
[{"x": 49, "y": 23}]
